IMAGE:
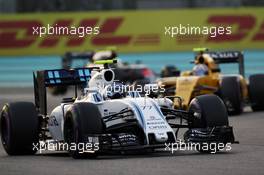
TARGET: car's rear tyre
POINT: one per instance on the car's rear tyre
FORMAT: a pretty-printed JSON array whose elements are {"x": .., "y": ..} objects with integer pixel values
[
  {"x": 209, "y": 112},
  {"x": 256, "y": 91},
  {"x": 19, "y": 128},
  {"x": 82, "y": 119},
  {"x": 230, "y": 90}
]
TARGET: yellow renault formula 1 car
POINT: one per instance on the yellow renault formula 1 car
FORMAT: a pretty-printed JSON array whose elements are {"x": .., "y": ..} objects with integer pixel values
[{"x": 234, "y": 89}]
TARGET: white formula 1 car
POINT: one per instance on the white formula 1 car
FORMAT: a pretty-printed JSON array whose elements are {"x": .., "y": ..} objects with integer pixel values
[{"x": 104, "y": 119}]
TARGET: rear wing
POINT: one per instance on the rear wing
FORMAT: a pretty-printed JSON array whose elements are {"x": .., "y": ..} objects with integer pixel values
[
  {"x": 229, "y": 57},
  {"x": 57, "y": 77}
]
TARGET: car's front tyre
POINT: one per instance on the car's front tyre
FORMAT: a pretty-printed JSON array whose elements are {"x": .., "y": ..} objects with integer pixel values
[
  {"x": 81, "y": 120},
  {"x": 209, "y": 126}
]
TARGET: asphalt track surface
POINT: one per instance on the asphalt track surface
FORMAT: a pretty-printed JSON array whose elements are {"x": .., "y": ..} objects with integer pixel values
[{"x": 244, "y": 158}]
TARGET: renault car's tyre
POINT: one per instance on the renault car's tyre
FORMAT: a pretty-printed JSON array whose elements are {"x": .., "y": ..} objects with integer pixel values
[
  {"x": 19, "y": 128},
  {"x": 231, "y": 94},
  {"x": 82, "y": 120},
  {"x": 256, "y": 92}
]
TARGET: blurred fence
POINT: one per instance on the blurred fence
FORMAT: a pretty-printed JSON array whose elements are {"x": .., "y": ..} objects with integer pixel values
[{"x": 17, "y": 71}]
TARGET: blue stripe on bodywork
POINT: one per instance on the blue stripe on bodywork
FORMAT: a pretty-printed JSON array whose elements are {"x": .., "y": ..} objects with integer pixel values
[
  {"x": 158, "y": 109},
  {"x": 140, "y": 113}
]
